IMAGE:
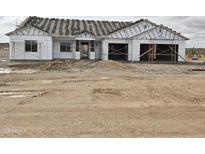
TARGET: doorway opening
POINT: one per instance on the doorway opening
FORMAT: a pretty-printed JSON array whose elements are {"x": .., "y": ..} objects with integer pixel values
[{"x": 84, "y": 51}]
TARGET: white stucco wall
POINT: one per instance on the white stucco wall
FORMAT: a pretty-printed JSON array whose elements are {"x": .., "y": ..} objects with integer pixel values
[
  {"x": 181, "y": 51},
  {"x": 98, "y": 50},
  {"x": 130, "y": 50},
  {"x": 74, "y": 54},
  {"x": 17, "y": 48},
  {"x": 77, "y": 55},
  {"x": 135, "y": 53},
  {"x": 49, "y": 49},
  {"x": 92, "y": 55},
  {"x": 63, "y": 55}
]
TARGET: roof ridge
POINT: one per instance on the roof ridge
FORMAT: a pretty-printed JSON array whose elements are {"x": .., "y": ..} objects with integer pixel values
[
  {"x": 133, "y": 23},
  {"x": 117, "y": 21}
]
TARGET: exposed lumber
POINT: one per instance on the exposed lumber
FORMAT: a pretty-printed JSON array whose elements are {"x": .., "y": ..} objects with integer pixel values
[
  {"x": 145, "y": 53},
  {"x": 155, "y": 51},
  {"x": 115, "y": 50},
  {"x": 118, "y": 53},
  {"x": 178, "y": 54},
  {"x": 198, "y": 69}
]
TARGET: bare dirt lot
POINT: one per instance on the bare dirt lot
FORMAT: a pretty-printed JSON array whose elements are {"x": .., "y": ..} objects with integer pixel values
[{"x": 101, "y": 99}]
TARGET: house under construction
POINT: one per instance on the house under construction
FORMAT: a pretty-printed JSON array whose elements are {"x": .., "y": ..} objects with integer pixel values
[{"x": 50, "y": 38}]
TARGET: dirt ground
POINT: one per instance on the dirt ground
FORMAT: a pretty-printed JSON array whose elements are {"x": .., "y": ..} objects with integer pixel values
[{"x": 101, "y": 99}]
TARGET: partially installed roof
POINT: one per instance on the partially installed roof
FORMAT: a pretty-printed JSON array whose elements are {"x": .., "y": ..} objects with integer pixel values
[{"x": 72, "y": 27}]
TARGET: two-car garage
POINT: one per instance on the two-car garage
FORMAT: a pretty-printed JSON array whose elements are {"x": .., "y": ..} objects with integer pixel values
[{"x": 148, "y": 52}]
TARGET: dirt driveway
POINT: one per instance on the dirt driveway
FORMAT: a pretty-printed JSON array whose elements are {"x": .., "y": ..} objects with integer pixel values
[{"x": 139, "y": 100}]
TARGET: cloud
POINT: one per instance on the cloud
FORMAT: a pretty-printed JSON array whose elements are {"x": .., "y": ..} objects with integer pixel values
[
  {"x": 192, "y": 27},
  {"x": 8, "y": 24}
]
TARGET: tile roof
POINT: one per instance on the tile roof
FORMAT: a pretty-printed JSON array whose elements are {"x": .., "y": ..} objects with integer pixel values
[
  {"x": 69, "y": 27},
  {"x": 72, "y": 27}
]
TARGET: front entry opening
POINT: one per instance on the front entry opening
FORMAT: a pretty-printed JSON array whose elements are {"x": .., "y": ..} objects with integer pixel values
[
  {"x": 118, "y": 51},
  {"x": 159, "y": 52},
  {"x": 84, "y": 49}
]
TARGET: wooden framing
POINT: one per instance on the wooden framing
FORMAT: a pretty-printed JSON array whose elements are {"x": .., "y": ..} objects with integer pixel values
[
  {"x": 115, "y": 51},
  {"x": 175, "y": 53},
  {"x": 152, "y": 52}
]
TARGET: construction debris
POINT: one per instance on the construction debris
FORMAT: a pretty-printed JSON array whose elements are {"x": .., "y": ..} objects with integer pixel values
[{"x": 198, "y": 69}]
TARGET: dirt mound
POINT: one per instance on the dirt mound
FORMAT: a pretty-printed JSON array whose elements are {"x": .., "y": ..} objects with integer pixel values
[
  {"x": 53, "y": 65},
  {"x": 72, "y": 64},
  {"x": 81, "y": 64},
  {"x": 110, "y": 64},
  {"x": 107, "y": 91},
  {"x": 65, "y": 64}
]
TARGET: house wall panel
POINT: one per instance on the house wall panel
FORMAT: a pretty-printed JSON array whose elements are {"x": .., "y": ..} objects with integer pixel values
[
  {"x": 62, "y": 55},
  {"x": 17, "y": 48},
  {"x": 98, "y": 50}
]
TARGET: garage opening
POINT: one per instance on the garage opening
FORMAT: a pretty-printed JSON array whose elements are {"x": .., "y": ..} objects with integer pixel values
[
  {"x": 118, "y": 52},
  {"x": 159, "y": 52}
]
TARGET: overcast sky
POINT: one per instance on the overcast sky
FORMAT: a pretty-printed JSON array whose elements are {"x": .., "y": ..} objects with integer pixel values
[{"x": 192, "y": 27}]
